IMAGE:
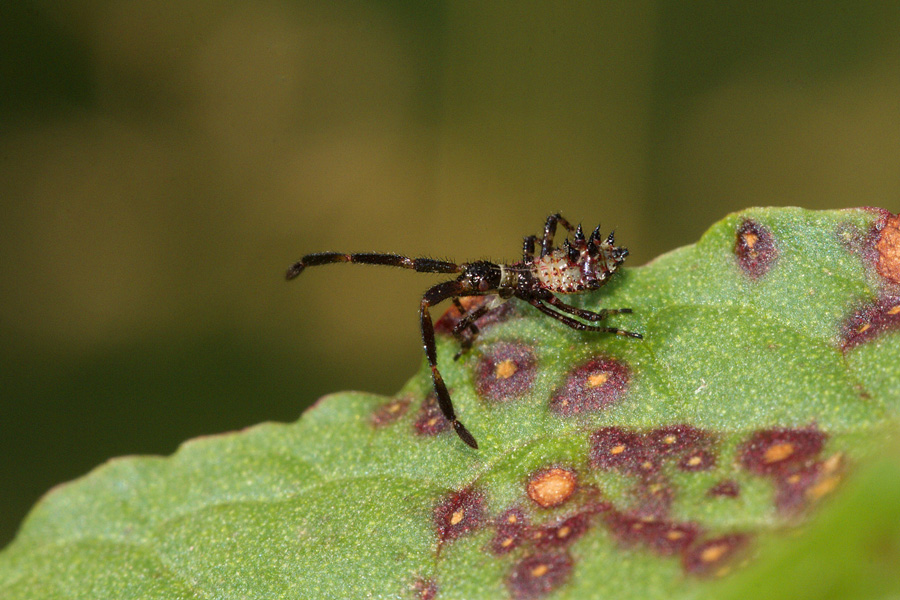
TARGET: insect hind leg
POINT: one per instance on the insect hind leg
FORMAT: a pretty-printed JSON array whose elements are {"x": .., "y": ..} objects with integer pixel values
[{"x": 587, "y": 315}]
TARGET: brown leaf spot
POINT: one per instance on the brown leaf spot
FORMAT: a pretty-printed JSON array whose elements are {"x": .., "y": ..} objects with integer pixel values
[
  {"x": 725, "y": 489},
  {"x": 661, "y": 536},
  {"x": 653, "y": 498},
  {"x": 614, "y": 448},
  {"x": 562, "y": 533},
  {"x": 430, "y": 420},
  {"x": 699, "y": 460},
  {"x": 388, "y": 413},
  {"x": 779, "y": 451},
  {"x": 506, "y": 371},
  {"x": 539, "y": 574},
  {"x": 676, "y": 439},
  {"x": 591, "y": 387},
  {"x": 425, "y": 589},
  {"x": 888, "y": 248},
  {"x": 755, "y": 249},
  {"x": 709, "y": 557},
  {"x": 512, "y": 527},
  {"x": 551, "y": 486},
  {"x": 458, "y": 513},
  {"x": 800, "y": 488},
  {"x": 870, "y": 321}
]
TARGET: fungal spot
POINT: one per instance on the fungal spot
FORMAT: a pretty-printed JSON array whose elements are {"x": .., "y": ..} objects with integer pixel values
[
  {"x": 512, "y": 528},
  {"x": 677, "y": 439},
  {"x": 700, "y": 460},
  {"x": 806, "y": 485},
  {"x": 613, "y": 448},
  {"x": 833, "y": 463},
  {"x": 458, "y": 513},
  {"x": 725, "y": 489},
  {"x": 430, "y": 420},
  {"x": 597, "y": 380},
  {"x": 552, "y": 486},
  {"x": 539, "y": 574},
  {"x": 780, "y": 451},
  {"x": 562, "y": 533},
  {"x": 870, "y": 321},
  {"x": 709, "y": 557},
  {"x": 653, "y": 500},
  {"x": 388, "y": 413},
  {"x": 591, "y": 387},
  {"x": 755, "y": 249},
  {"x": 825, "y": 486},
  {"x": 888, "y": 248},
  {"x": 506, "y": 371},
  {"x": 662, "y": 537},
  {"x": 425, "y": 589}
]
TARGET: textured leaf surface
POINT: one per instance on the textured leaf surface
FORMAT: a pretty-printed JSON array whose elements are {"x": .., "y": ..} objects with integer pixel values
[{"x": 608, "y": 467}]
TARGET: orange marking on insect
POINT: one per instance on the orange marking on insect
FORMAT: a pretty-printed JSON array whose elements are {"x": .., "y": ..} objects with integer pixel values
[{"x": 457, "y": 516}]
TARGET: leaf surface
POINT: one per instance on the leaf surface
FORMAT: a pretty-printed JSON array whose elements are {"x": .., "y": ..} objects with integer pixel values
[{"x": 608, "y": 466}]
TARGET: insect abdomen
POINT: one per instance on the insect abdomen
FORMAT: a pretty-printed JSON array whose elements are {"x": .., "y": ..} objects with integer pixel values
[{"x": 558, "y": 274}]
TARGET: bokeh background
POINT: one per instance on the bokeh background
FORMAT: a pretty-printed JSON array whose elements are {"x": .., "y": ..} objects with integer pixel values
[{"x": 162, "y": 162}]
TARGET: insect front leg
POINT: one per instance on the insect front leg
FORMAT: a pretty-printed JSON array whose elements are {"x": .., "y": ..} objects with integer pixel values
[
  {"x": 436, "y": 294},
  {"x": 466, "y": 323},
  {"x": 421, "y": 265}
]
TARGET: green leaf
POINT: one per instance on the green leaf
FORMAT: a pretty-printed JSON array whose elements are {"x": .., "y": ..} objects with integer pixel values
[{"x": 669, "y": 467}]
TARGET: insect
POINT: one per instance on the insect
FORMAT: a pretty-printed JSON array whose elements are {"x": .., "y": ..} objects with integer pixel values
[{"x": 584, "y": 264}]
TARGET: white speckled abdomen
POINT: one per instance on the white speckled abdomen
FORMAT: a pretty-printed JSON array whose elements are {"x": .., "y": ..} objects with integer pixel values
[{"x": 558, "y": 274}]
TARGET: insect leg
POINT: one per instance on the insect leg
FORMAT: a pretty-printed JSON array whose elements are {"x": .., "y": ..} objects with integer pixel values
[
  {"x": 439, "y": 292},
  {"x": 581, "y": 313},
  {"x": 578, "y": 324},
  {"x": 467, "y": 322},
  {"x": 550, "y": 232},
  {"x": 528, "y": 248},
  {"x": 422, "y": 265}
]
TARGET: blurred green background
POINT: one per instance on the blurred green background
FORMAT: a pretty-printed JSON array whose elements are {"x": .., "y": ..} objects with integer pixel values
[{"x": 162, "y": 162}]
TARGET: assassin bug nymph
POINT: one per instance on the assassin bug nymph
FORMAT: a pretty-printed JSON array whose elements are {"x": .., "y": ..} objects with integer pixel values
[{"x": 584, "y": 264}]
